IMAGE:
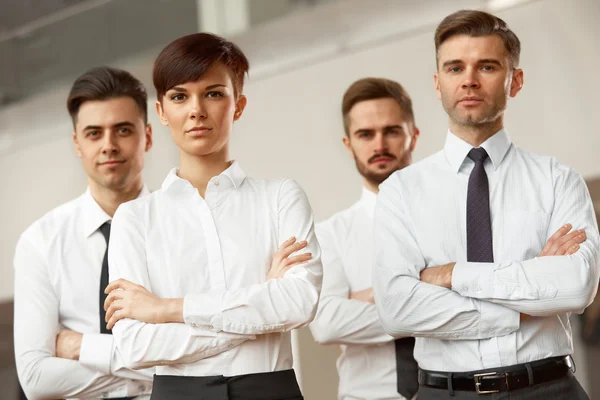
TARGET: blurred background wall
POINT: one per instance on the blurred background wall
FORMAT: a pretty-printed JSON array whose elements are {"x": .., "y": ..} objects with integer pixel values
[{"x": 303, "y": 54}]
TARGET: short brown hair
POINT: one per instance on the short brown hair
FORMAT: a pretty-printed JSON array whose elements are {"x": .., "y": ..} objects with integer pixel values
[
  {"x": 103, "y": 83},
  {"x": 372, "y": 89},
  {"x": 478, "y": 23},
  {"x": 186, "y": 59}
]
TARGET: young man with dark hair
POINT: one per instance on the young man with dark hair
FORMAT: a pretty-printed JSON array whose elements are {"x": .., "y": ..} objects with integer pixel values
[
  {"x": 203, "y": 287},
  {"x": 380, "y": 136},
  {"x": 62, "y": 346},
  {"x": 473, "y": 256}
]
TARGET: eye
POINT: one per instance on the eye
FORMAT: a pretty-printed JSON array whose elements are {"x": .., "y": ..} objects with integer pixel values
[
  {"x": 214, "y": 94},
  {"x": 455, "y": 69},
  {"x": 125, "y": 130},
  {"x": 177, "y": 97},
  {"x": 488, "y": 68},
  {"x": 365, "y": 135},
  {"x": 393, "y": 132},
  {"x": 92, "y": 134}
]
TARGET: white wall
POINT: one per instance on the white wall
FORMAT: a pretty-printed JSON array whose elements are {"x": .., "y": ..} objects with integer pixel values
[{"x": 292, "y": 125}]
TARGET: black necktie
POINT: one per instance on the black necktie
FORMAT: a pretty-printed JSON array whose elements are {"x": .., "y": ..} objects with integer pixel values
[
  {"x": 407, "y": 370},
  {"x": 105, "y": 229},
  {"x": 479, "y": 222}
]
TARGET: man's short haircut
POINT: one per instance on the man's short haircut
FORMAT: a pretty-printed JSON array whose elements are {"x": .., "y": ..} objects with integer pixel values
[
  {"x": 372, "y": 89},
  {"x": 104, "y": 83},
  {"x": 478, "y": 23}
]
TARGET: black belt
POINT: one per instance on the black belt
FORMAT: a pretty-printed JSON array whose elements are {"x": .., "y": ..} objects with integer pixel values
[{"x": 499, "y": 379}]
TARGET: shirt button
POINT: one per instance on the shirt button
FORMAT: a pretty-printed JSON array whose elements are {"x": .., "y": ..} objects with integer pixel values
[
  {"x": 217, "y": 182},
  {"x": 465, "y": 288}
]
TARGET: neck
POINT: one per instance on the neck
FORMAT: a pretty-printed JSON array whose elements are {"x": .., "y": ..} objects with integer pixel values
[
  {"x": 475, "y": 135},
  {"x": 110, "y": 199},
  {"x": 371, "y": 186},
  {"x": 198, "y": 170}
]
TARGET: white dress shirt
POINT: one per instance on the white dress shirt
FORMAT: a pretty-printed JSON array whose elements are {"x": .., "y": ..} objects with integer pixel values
[
  {"x": 367, "y": 365},
  {"x": 57, "y": 263},
  {"x": 215, "y": 252},
  {"x": 420, "y": 221}
]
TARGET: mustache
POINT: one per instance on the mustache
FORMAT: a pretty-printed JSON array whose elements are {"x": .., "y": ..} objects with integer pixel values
[{"x": 381, "y": 155}]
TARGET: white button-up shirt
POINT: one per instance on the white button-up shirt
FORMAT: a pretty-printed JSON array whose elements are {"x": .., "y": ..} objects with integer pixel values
[
  {"x": 57, "y": 263},
  {"x": 215, "y": 252},
  {"x": 421, "y": 222},
  {"x": 367, "y": 365}
]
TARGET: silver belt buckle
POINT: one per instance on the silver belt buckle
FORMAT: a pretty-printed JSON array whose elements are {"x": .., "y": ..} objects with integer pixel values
[{"x": 479, "y": 377}]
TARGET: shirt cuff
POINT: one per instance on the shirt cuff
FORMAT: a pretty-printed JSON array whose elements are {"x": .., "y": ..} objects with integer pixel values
[
  {"x": 203, "y": 310},
  {"x": 476, "y": 280},
  {"x": 496, "y": 320},
  {"x": 96, "y": 351}
]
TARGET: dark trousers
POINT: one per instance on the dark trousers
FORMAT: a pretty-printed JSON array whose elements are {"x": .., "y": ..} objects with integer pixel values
[
  {"x": 566, "y": 388},
  {"x": 279, "y": 385}
]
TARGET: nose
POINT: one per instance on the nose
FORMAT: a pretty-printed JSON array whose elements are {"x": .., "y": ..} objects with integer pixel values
[
  {"x": 471, "y": 80},
  {"x": 381, "y": 143},
  {"x": 198, "y": 110},
  {"x": 109, "y": 144}
]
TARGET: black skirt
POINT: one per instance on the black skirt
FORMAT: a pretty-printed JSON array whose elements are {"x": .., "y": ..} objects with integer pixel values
[{"x": 279, "y": 385}]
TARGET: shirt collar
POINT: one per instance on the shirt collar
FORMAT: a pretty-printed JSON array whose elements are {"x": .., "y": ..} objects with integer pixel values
[
  {"x": 368, "y": 200},
  {"x": 456, "y": 149},
  {"x": 232, "y": 177},
  {"x": 94, "y": 216}
]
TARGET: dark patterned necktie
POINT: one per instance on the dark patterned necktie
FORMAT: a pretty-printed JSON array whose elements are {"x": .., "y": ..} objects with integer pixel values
[
  {"x": 479, "y": 222},
  {"x": 407, "y": 370},
  {"x": 105, "y": 229}
]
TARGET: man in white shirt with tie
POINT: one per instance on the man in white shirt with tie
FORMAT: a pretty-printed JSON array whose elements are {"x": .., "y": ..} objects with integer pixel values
[
  {"x": 464, "y": 257},
  {"x": 380, "y": 137},
  {"x": 62, "y": 346}
]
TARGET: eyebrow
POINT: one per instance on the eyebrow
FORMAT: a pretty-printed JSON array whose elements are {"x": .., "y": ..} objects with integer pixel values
[
  {"x": 385, "y": 128},
  {"x": 182, "y": 89},
  {"x": 482, "y": 61},
  {"x": 117, "y": 125}
]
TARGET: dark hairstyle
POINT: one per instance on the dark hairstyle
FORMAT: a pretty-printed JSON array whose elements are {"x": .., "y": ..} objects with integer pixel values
[
  {"x": 186, "y": 59},
  {"x": 105, "y": 83},
  {"x": 375, "y": 88},
  {"x": 478, "y": 23}
]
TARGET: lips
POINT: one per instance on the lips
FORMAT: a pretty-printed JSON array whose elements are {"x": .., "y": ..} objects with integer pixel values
[{"x": 112, "y": 163}]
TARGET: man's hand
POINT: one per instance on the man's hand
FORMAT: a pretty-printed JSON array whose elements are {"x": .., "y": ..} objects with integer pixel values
[
  {"x": 439, "y": 276},
  {"x": 564, "y": 242},
  {"x": 282, "y": 261},
  {"x": 68, "y": 344},
  {"x": 128, "y": 300},
  {"x": 365, "y": 295}
]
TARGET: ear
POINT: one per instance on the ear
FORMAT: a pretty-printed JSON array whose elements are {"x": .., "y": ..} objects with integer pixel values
[
  {"x": 413, "y": 138},
  {"x": 436, "y": 82},
  {"x": 240, "y": 105},
  {"x": 346, "y": 141},
  {"x": 161, "y": 114},
  {"x": 148, "y": 134},
  {"x": 76, "y": 143},
  {"x": 516, "y": 83}
]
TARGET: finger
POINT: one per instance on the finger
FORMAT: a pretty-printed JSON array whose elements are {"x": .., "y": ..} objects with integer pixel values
[
  {"x": 558, "y": 243},
  {"x": 120, "y": 284},
  {"x": 114, "y": 295},
  {"x": 562, "y": 231},
  {"x": 564, "y": 243},
  {"x": 118, "y": 315},
  {"x": 287, "y": 243},
  {"x": 572, "y": 250},
  {"x": 293, "y": 248},
  {"x": 291, "y": 261},
  {"x": 111, "y": 310}
]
